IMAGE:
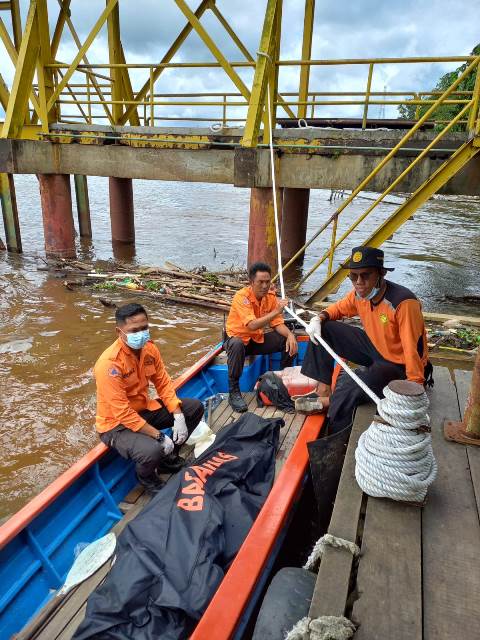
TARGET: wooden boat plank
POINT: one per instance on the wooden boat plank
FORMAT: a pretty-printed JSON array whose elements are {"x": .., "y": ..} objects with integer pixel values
[
  {"x": 73, "y": 624},
  {"x": 336, "y": 565},
  {"x": 389, "y": 580},
  {"x": 217, "y": 413},
  {"x": 451, "y": 564},
  {"x": 289, "y": 441}
]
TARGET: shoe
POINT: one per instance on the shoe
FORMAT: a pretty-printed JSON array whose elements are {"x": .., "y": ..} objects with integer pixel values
[
  {"x": 309, "y": 403},
  {"x": 171, "y": 464},
  {"x": 236, "y": 401},
  {"x": 152, "y": 484}
]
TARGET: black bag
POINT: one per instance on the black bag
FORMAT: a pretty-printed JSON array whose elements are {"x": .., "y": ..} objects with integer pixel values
[
  {"x": 172, "y": 557},
  {"x": 270, "y": 390}
]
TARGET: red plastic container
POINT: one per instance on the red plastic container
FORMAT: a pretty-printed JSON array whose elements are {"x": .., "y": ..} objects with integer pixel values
[{"x": 297, "y": 384}]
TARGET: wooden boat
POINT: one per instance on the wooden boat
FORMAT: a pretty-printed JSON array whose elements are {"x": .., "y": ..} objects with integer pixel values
[{"x": 99, "y": 493}]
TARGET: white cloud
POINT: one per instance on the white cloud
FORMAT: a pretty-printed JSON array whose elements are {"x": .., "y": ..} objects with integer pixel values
[{"x": 343, "y": 29}]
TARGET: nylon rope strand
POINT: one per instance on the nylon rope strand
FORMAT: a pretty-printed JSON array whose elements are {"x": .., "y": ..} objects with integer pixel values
[
  {"x": 289, "y": 310},
  {"x": 393, "y": 460}
]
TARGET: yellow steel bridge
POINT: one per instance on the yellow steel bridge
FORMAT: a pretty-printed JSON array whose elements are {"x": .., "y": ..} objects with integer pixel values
[{"x": 115, "y": 102}]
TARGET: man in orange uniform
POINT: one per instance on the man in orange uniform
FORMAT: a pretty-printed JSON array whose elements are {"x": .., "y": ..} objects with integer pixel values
[
  {"x": 254, "y": 309},
  {"x": 145, "y": 430},
  {"x": 393, "y": 344}
]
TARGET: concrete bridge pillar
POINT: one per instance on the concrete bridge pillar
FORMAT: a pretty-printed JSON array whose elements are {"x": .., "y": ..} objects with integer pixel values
[
  {"x": 58, "y": 227},
  {"x": 294, "y": 222},
  {"x": 121, "y": 210},
  {"x": 83, "y": 206},
  {"x": 261, "y": 228}
]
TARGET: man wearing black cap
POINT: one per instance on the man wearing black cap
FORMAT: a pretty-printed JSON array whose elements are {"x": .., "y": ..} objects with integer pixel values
[{"x": 391, "y": 346}]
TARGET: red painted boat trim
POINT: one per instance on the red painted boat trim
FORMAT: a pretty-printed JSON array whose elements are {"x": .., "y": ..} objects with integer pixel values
[
  {"x": 227, "y": 605},
  {"x": 24, "y": 516}
]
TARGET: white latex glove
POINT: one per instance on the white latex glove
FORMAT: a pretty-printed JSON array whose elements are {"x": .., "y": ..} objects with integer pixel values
[
  {"x": 314, "y": 326},
  {"x": 167, "y": 444},
  {"x": 180, "y": 431}
]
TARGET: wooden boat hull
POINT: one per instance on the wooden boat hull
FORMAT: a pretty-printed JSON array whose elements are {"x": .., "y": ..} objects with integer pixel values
[{"x": 37, "y": 544}]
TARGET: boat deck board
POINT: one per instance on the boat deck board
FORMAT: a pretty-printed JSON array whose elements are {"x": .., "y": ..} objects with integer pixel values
[
  {"x": 64, "y": 621},
  {"x": 419, "y": 566}
]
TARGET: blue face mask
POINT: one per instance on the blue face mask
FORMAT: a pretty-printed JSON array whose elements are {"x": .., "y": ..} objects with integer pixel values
[
  {"x": 375, "y": 291},
  {"x": 138, "y": 339}
]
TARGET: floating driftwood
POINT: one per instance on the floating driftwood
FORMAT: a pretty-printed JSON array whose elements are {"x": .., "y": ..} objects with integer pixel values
[{"x": 171, "y": 283}]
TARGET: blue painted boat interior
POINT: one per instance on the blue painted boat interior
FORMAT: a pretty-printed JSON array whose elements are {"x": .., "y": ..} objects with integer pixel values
[{"x": 35, "y": 563}]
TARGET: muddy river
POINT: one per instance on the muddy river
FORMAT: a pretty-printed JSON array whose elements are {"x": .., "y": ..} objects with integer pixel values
[{"x": 50, "y": 337}]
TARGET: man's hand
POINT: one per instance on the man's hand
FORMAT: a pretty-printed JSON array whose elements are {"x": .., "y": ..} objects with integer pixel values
[
  {"x": 281, "y": 304},
  {"x": 291, "y": 346},
  {"x": 180, "y": 431},
  {"x": 315, "y": 327}
]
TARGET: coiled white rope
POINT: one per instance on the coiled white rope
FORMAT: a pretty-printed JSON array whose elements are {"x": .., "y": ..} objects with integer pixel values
[{"x": 394, "y": 460}]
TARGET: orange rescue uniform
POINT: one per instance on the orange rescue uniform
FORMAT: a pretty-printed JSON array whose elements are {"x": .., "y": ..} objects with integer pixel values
[
  {"x": 395, "y": 326},
  {"x": 245, "y": 308},
  {"x": 122, "y": 386}
]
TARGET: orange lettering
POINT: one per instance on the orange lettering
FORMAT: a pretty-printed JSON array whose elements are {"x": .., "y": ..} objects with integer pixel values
[
  {"x": 227, "y": 456},
  {"x": 189, "y": 478},
  {"x": 191, "y": 504},
  {"x": 193, "y": 489},
  {"x": 202, "y": 473},
  {"x": 210, "y": 465}
]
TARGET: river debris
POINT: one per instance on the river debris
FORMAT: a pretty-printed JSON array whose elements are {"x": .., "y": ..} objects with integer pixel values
[
  {"x": 214, "y": 290},
  {"x": 453, "y": 336},
  {"x": 171, "y": 283}
]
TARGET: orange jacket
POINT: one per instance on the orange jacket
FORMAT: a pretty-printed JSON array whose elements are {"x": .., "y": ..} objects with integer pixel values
[
  {"x": 122, "y": 386},
  {"x": 245, "y": 308},
  {"x": 394, "y": 325}
]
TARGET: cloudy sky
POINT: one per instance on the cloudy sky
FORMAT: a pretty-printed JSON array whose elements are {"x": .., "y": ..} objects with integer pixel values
[{"x": 343, "y": 29}]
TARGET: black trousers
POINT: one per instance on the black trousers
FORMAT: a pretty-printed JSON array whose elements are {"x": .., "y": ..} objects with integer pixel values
[
  {"x": 236, "y": 352},
  {"x": 144, "y": 450},
  {"x": 353, "y": 344}
]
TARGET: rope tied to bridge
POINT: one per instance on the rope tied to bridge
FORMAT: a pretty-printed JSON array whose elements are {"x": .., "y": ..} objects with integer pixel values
[
  {"x": 394, "y": 457},
  {"x": 329, "y": 540},
  {"x": 322, "y": 628}
]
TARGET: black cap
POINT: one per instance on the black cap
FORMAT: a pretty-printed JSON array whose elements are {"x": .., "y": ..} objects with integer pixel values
[{"x": 366, "y": 257}]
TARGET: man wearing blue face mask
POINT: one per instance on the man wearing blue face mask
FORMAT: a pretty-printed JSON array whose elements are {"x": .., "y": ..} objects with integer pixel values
[
  {"x": 145, "y": 430},
  {"x": 391, "y": 346}
]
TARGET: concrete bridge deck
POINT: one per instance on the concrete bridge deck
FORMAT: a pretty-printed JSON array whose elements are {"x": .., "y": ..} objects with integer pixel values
[{"x": 309, "y": 158}]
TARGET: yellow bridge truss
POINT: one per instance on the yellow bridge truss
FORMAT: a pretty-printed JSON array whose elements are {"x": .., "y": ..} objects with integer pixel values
[{"x": 46, "y": 91}]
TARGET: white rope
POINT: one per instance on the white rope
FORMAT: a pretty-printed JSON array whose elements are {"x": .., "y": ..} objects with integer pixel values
[
  {"x": 329, "y": 540},
  {"x": 396, "y": 460},
  {"x": 322, "y": 628},
  {"x": 289, "y": 310},
  {"x": 392, "y": 461}
]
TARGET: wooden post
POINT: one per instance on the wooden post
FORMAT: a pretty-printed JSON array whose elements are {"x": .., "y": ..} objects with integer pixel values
[
  {"x": 468, "y": 431},
  {"x": 83, "y": 206},
  {"x": 10, "y": 213}
]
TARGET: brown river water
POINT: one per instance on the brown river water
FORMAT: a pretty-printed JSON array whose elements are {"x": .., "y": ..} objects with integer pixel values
[{"x": 50, "y": 337}]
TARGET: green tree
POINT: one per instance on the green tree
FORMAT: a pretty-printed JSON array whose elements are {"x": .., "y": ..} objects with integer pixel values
[{"x": 444, "y": 111}]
